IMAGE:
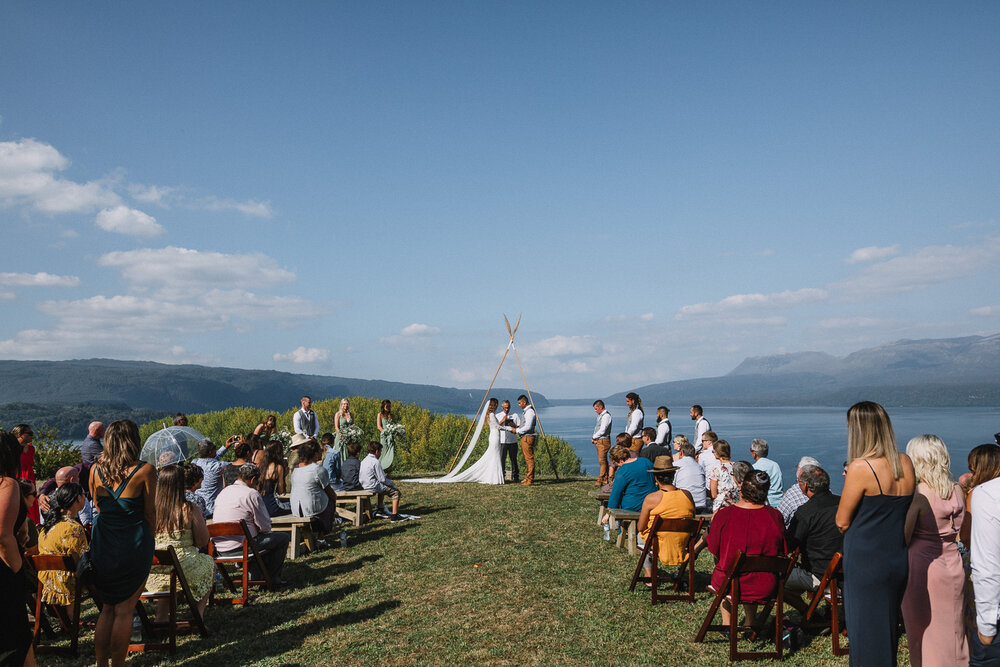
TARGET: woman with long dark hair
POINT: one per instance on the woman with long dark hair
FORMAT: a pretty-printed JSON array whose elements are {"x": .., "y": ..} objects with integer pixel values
[
  {"x": 124, "y": 493},
  {"x": 15, "y": 633},
  {"x": 273, "y": 478},
  {"x": 634, "y": 420},
  {"x": 877, "y": 493},
  {"x": 385, "y": 436}
]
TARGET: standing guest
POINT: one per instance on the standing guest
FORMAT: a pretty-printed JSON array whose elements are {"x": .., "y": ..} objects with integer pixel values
[
  {"x": 340, "y": 420},
  {"x": 15, "y": 637},
  {"x": 332, "y": 461},
  {"x": 759, "y": 451},
  {"x": 650, "y": 450},
  {"x": 706, "y": 457},
  {"x": 212, "y": 465},
  {"x": 25, "y": 436},
  {"x": 690, "y": 477},
  {"x": 91, "y": 446},
  {"x": 667, "y": 502},
  {"x": 794, "y": 497},
  {"x": 664, "y": 433},
  {"x": 984, "y": 465},
  {"x": 351, "y": 468},
  {"x": 181, "y": 525},
  {"x": 755, "y": 529},
  {"x": 985, "y": 560},
  {"x": 508, "y": 440},
  {"x": 373, "y": 479},
  {"x": 242, "y": 453},
  {"x": 933, "y": 601},
  {"x": 276, "y": 475},
  {"x": 602, "y": 440},
  {"x": 722, "y": 482},
  {"x": 312, "y": 496},
  {"x": 241, "y": 501},
  {"x": 701, "y": 425},
  {"x": 634, "y": 419},
  {"x": 632, "y": 484},
  {"x": 388, "y": 440},
  {"x": 814, "y": 532},
  {"x": 62, "y": 534},
  {"x": 193, "y": 477},
  {"x": 267, "y": 428},
  {"x": 124, "y": 491},
  {"x": 526, "y": 435},
  {"x": 872, "y": 512},
  {"x": 180, "y": 419},
  {"x": 305, "y": 420}
]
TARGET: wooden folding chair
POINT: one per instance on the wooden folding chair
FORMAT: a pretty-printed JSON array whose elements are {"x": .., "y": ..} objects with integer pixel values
[
  {"x": 69, "y": 622},
  {"x": 179, "y": 587},
  {"x": 730, "y": 591},
  {"x": 829, "y": 591},
  {"x": 238, "y": 531},
  {"x": 692, "y": 527}
]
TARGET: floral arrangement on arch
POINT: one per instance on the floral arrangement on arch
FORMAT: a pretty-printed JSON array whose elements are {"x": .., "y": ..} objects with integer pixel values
[
  {"x": 350, "y": 434},
  {"x": 283, "y": 436}
]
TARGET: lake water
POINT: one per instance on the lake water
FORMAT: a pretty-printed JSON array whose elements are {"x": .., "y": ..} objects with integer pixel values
[{"x": 791, "y": 433}]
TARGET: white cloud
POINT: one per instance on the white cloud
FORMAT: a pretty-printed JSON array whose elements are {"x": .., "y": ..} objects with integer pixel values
[
  {"x": 854, "y": 322},
  {"x": 251, "y": 207},
  {"x": 985, "y": 311},
  {"x": 411, "y": 335},
  {"x": 564, "y": 346},
  {"x": 419, "y": 330},
  {"x": 28, "y": 177},
  {"x": 180, "y": 269},
  {"x": 739, "y": 302},
  {"x": 152, "y": 194},
  {"x": 38, "y": 280},
  {"x": 872, "y": 253},
  {"x": 646, "y": 317},
  {"x": 304, "y": 355},
  {"x": 125, "y": 220}
]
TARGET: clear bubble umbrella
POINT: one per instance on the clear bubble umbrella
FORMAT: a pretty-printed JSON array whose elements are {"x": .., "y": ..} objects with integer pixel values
[{"x": 174, "y": 444}]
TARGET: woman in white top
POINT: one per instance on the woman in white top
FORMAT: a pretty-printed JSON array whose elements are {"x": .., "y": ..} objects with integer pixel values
[{"x": 312, "y": 496}]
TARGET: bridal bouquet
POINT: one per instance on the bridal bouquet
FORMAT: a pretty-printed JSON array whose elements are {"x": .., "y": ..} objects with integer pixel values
[
  {"x": 350, "y": 434},
  {"x": 394, "y": 431},
  {"x": 284, "y": 437}
]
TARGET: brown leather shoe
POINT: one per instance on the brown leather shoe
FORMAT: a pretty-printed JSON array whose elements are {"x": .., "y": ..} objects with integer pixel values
[
  {"x": 527, "y": 482},
  {"x": 598, "y": 484}
]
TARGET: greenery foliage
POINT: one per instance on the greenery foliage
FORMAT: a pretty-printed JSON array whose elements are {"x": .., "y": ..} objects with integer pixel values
[
  {"x": 431, "y": 444},
  {"x": 52, "y": 452}
]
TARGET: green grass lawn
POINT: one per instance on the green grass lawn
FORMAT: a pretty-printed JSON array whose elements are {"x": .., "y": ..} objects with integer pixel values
[{"x": 495, "y": 575}]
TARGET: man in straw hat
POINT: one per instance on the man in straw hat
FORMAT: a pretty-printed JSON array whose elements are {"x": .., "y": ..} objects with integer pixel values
[{"x": 668, "y": 502}]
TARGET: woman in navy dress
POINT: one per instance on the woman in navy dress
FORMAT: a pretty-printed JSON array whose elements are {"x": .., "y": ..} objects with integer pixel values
[
  {"x": 872, "y": 512},
  {"x": 124, "y": 492}
]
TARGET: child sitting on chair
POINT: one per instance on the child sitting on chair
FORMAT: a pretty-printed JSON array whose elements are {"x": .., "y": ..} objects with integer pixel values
[{"x": 372, "y": 478}]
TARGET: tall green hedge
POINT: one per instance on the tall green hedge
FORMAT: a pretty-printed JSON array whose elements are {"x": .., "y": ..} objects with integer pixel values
[{"x": 432, "y": 439}]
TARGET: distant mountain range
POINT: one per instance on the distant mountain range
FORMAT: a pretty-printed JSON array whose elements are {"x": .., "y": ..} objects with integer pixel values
[
  {"x": 934, "y": 372},
  {"x": 145, "y": 385}
]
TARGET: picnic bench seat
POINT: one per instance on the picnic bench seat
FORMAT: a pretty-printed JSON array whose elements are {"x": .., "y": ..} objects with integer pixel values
[
  {"x": 602, "y": 498},
  {"x": 355, "y": 506},
  {"x": 626, "y": 520},
  {"x": 301, "y": 531}
]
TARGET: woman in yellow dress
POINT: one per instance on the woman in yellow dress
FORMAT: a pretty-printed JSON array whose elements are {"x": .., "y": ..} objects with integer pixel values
[
  {"x": 180, "y": 524},
  {"x": 668, "y": 502},
  {"x": 63, "y": 535}
]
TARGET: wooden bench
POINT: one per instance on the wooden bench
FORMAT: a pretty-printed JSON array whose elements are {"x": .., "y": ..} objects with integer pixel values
[
  {"x": 355, "y": 506},
  {"x": 626, "y": 520},
  {"x": 300, "y": 529},
  {"x": 602, "y": 498}
]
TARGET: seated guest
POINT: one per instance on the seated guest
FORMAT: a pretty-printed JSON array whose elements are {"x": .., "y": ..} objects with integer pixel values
[
  {"x": 351, "y": 469},
  {"x": 616, "y": 460},
  {"x": 62, "y": 534},
  {"x": 632, "y": 484},
  {"x": 794, "y": 498},
  {"x": 707, "y": 457},
  {"x": 814, "y": 531},
  {"x": 759, "y": 449},
  {"x": 312, "y": 496},
  {"x": 722, "y": 484},
  {"x": 63, "y": 476},
  {"x": 650, "y": 450},
  {"x": 29, "y": 540},
  {"x": 242, "y": 501},
  {"x": 755, "y": 529},
  {"x": 668, "y": 502},
  {"x": 372, "y": 478},
  {"x": 677, "y": 442},
  {"x": 193, "y": 475},
  {"x": 243, "y": 453},
  {"x": 690, "y": 477},
  {"x": 210, "y": 463},
  {"x": 181, "y": 525},
  {"x": 331, "y": 459},
  {"x": 273, "y": 481}
]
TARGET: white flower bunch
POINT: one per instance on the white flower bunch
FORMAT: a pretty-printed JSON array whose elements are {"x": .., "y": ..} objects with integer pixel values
[
  {"x": 350, "y": 434},
  {"x": 394, "y": 430}
]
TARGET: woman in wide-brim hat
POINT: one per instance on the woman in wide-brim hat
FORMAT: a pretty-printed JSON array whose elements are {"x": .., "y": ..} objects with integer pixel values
[{"x": 667, "y": 502}]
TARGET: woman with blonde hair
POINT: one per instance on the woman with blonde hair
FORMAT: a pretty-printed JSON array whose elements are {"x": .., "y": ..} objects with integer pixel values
[
  {"x": 124, "y": 493},
  {"x": 341, "y": 419},
  {"x": 877, "y": 492},
  {"x": 932, "y": 603}
]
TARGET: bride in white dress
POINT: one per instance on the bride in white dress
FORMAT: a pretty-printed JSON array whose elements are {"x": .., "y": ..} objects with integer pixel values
[{"x": 489, "y": 468}]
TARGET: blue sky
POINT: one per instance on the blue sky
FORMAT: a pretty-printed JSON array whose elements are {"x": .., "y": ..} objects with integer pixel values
[{"x": 364, "y": 189}]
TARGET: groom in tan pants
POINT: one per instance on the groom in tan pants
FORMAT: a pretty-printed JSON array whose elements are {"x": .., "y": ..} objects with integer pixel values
[{"x": 526, "y": 431}]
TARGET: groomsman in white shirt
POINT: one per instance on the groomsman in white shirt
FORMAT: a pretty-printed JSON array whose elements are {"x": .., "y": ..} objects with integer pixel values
[
  {"x": 305, "y": 420},
  {"x": 664, "y": 433},
  {"x": 526, "y": 430},
  {"x": 602, "y": 440},
  {"x": 701, "y": 425},
  {"x": 508, "y": 441}
]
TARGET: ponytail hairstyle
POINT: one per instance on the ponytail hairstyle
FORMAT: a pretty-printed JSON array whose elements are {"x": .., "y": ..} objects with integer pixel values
[
  {"x": 59, "y": 503},
  {"x": 638, "y": 401}
]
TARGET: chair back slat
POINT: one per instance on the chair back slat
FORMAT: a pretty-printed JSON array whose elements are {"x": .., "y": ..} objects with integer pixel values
[{"x": 53, "y": 562}]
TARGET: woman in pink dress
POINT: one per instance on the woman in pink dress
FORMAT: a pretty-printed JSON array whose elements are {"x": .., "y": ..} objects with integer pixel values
[{"x": 932, "y": 603}]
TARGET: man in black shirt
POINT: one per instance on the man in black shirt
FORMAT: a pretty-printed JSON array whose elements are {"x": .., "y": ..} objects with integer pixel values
[
  {"x": 650, "y": 449},
  {"x": 814, "y": 531}
]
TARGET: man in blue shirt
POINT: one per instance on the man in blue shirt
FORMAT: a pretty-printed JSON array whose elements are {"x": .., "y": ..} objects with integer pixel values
[{"x": 758, "y": 448}]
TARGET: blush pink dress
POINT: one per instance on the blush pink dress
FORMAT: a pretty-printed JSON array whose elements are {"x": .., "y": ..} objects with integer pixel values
[{"x": 932, "y": 603}]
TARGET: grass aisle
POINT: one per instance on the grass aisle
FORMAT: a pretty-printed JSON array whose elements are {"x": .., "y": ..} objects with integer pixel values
[{"x": 547, "y": 590}]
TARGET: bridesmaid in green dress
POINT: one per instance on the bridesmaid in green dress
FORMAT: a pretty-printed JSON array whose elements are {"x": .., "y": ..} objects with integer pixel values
[
  {"x": 342, "y": 418},
  {"x": 388, "y": 440}
]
